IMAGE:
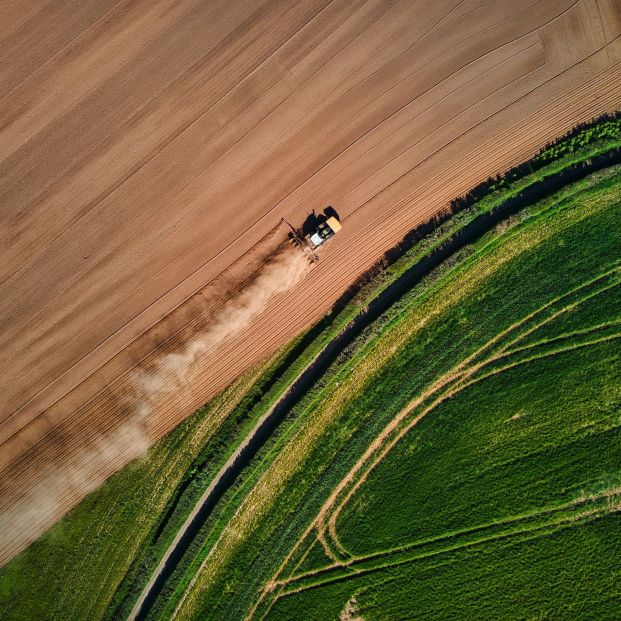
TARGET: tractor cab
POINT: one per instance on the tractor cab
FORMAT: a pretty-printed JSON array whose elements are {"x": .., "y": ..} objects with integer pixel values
[{"x": 324, "y": 231}]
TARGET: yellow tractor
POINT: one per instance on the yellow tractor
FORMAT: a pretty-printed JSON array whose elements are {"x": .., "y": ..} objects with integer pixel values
[{"x": 316, "y": 231}]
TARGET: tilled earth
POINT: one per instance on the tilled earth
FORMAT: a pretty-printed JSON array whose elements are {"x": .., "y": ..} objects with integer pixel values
[{"x": 150, "y": 148}]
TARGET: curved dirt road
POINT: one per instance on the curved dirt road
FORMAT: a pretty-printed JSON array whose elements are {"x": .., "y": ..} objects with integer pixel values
[{"x": 146, "y": 147}]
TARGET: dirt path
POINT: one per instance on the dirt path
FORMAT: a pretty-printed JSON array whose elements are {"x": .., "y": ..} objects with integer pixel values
[{"x": 145, "y": 147}]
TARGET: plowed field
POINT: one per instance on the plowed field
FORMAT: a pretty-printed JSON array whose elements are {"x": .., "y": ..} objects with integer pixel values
[{"x": 149, "y": 149}]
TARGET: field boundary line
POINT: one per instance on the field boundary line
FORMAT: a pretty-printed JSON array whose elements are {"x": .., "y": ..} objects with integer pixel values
[{"x": 528, "y": 533}]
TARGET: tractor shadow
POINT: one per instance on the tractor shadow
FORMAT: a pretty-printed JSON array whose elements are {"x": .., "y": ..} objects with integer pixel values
[
  {"x": 330, "y": 212},
  {"x": 313, "y": 220}
]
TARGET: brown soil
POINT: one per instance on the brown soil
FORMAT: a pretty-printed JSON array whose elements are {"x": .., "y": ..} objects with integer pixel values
[{"x": 149, "y": 149}]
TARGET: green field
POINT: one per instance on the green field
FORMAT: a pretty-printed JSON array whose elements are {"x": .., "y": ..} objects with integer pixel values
[
  {"x": 495, "y": 397},
  {"x": 491, "y": 392}
]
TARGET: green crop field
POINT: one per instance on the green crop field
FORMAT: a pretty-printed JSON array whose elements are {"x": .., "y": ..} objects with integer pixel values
[
  {"x": 460, "y": 459},
  {"x": 477, "y": 433},
  {"x": 495, "y": 489}
]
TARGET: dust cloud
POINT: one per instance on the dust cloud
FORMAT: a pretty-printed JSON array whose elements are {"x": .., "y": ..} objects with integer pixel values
[
  {"x": 172, "y": 371},
  {"x": 29, "y": 514}
]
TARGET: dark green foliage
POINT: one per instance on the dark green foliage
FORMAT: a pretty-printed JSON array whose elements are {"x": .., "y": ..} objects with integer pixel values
[
  {"x": 568, "y": 573},
  {"x": 605, "y": 130}
]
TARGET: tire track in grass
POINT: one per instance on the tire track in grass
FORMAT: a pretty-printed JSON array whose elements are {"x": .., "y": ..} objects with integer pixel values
[
  {"x": 463, "y": 384},
  {"x": 564, "y": 515},
  {"x": 449, "y": 383},
  {"x": 467, "y": 378}
]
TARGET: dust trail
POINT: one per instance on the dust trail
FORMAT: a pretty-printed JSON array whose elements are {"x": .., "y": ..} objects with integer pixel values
[
  {"x": 26, "y": 515},
  {"x": 286, "y": 268}
]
